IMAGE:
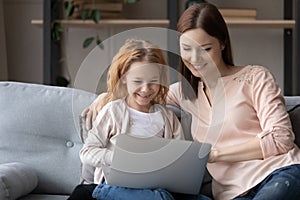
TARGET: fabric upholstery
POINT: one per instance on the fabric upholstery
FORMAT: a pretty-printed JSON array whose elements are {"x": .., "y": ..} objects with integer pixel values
[
  {"x": 40, "y": 127},
  {"x": 294, "y": 114},
  {"x": 44, "y": 197},
  {"x": 293, "y": 108},
  {"x": 16, "y": 180}
]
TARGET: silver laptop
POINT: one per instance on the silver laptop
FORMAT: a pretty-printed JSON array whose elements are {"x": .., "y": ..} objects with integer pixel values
[{"x": 176, "y": 165}]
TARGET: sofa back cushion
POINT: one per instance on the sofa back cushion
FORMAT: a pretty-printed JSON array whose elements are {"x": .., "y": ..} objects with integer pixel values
[
  {"x": 295, "y": 120},
  {"x": 293, "y": 107},
  {"x": 39, "y": 127}
]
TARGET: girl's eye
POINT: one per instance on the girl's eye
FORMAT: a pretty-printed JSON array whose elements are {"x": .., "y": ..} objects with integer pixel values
[
  {"x": 154, "y": 81},
  {"x": 137, "y": 82},
  {"x": 207, "y": 49}
]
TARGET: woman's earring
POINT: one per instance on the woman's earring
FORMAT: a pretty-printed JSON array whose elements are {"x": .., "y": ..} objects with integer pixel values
[{"x": 223, "y": 47}]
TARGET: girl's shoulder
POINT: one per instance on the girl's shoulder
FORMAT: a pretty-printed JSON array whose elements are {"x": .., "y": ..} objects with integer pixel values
[
  {"x": 175, "y": 86},
  {"x": 118, "y": 104},
  {"x": 164, "y": 109},
  {"x": 175, "y": 90}
]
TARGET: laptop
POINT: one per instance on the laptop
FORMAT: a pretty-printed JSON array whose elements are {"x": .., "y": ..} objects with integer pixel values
[{"x": 149, "y": 163}]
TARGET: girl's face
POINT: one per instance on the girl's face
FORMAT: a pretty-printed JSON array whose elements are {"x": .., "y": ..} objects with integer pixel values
[
  {"x": 199, "y": 51},
  {"x": 143, "y": 84}
]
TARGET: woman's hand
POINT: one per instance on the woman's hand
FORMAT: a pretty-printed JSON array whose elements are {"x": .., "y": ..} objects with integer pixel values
[
  {"x": 90, "y": 113},
  {"x": 213, "y": 155}
]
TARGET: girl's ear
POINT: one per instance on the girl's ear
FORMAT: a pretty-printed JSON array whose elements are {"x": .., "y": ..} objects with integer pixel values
[{"x": 124, "y": 79}]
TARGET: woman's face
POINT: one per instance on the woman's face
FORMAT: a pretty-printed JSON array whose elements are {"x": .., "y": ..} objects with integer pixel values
[
  {"x": 199, "y": 51},
  {"x": 143, "y": 84}
]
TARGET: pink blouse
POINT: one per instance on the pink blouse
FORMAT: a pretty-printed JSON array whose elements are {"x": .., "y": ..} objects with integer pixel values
[{"x": 245, "y": 105}]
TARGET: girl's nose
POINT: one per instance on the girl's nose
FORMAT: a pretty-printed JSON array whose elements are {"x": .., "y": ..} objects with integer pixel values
[{"x": 145, "y": 87}]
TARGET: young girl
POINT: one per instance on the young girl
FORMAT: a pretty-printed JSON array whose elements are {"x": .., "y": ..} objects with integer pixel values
[{"x": 134, "y": 104}]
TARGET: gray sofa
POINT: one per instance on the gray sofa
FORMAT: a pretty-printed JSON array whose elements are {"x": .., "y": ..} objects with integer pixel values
[{"x": 40, "y": 139}]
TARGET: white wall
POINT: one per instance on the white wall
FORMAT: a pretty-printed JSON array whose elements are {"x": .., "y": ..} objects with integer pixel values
[
  {"x": 113, "y": 38},
  {"x": 24, "y": 41},
  {"x": 3, "y": 62}
]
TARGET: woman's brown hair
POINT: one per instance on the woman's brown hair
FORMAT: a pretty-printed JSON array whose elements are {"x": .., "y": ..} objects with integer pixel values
[{"x": 207, "y": 17}]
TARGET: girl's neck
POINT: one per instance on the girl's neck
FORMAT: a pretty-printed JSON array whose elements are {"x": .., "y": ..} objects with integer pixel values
[{"x": 135, "y": 106}]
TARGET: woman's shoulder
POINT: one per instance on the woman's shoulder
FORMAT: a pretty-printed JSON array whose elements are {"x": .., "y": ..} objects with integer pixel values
[
  {"x": 256, "y": 69},
  {"x": 250, "y": 72}
]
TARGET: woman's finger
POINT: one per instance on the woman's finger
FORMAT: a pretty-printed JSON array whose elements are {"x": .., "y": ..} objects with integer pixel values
[{"x": 88, "y": 119}]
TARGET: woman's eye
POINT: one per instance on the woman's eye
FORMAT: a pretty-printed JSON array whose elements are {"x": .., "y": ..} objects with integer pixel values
[
  {"x": 186, "y": 49},
  {"x": 207, "y": 49}
]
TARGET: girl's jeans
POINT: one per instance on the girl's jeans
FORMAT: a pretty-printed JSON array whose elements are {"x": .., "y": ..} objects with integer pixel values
[
  {"x": 84, "y": 192},
  {"x": 107, "y": 192},
  {"x": 283, "y": 183}
]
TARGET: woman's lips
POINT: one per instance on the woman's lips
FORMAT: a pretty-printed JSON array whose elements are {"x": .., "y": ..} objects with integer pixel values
[{"x": 199, "y": 66}]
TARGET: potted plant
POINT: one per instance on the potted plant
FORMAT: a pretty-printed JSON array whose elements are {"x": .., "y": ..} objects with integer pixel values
[
  {"x": 93, "y": 10},
  {"x": 89, "y": 9}
]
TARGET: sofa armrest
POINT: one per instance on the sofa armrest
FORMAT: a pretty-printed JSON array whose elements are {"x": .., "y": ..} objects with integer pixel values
[{"x": 16, "y": 180}]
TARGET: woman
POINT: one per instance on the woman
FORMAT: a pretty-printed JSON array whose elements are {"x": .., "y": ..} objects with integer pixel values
[{"x": 239, "y": 109}]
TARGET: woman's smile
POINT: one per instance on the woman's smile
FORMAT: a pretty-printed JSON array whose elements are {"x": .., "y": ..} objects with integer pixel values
[{"x": 199, "y": 66}]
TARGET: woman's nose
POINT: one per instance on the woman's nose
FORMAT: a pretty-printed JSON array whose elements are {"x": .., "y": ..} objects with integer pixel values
[{"x": 195, "y": 56}]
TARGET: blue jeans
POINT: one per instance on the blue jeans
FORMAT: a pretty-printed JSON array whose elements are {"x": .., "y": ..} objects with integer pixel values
[
  {"x": 108, "y": 192},
  {"x": 283, "y": 183}
]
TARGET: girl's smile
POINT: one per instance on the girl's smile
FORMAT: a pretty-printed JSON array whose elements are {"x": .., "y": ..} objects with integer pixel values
[{"x": 143, "y": 84}]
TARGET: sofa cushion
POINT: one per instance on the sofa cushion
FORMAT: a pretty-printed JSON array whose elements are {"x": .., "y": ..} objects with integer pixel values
[
  {"x": 294, "y": 114},
  {"x": 16, "y": 179},
  {"x": 39, "y": 127}
]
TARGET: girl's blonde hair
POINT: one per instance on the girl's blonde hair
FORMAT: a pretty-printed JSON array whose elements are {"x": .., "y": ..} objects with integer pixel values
[{"x": 136, "y": 51}]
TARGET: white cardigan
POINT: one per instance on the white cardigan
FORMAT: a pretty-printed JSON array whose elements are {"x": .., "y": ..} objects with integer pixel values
[{"x": 114, "y": 119}]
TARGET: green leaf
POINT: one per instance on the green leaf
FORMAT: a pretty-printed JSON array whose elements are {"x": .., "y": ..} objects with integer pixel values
[
  {"x": 131, "y": 1},
  {"x": 69, "y": 9},
  {"x": 56, "y": 31},
  {"x": 58, "y": 27},
  {"x": 55, "y": 36},
  {"x": 96, "y": 15},
  {"x": 85, "y": 14},
  {"x": 88, "y": 41},
  {"x": 99, "y": 43}
]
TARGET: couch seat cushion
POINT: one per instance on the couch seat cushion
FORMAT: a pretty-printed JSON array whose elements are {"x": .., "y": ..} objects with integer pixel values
[{"x": 16, "y": 180}]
